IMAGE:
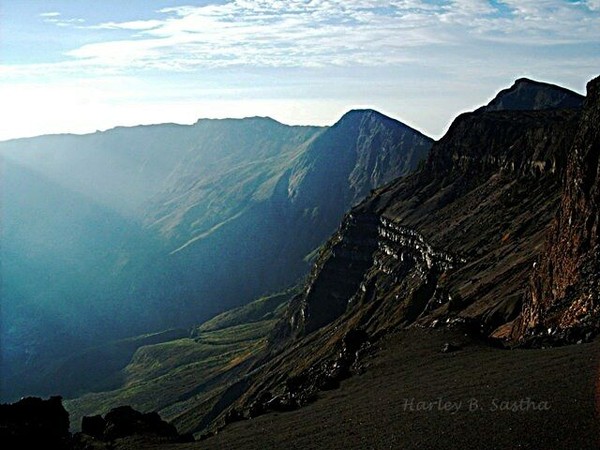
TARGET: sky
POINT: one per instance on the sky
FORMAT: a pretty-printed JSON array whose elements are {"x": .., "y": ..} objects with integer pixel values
[{"x": 81, "y": 66}]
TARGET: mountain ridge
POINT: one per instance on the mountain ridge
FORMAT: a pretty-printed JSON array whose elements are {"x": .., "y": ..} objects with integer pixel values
[
  {"x": 450, "y": 245},
  {"x": 216, "y": 190},
  {"x": 527, "y": 94}
]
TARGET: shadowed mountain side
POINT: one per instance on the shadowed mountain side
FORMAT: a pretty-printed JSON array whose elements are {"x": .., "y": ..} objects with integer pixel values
[
  {"x": 215, "y": 215},
  {"x": 295, "y": 203},
  {"x": 526, "y": 94}
]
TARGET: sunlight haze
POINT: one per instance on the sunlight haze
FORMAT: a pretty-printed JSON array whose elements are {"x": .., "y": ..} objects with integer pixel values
[{"x": 75, "y": 67}]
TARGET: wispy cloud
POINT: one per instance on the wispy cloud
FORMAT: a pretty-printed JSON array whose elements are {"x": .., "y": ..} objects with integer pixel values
[
  {"x": 320, "y": 33},
  {"x": 57, "y": 19},
  {"x": 299, "y": 33},
  {"x": 134, "y": 25}
]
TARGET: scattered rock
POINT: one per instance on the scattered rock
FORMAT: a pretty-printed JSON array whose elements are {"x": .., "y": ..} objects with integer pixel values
[
  {"x": 302, "y": 389},
  {"x": 353, "y": 340},
  {"x": 233, "y": 415},
  {"x": 449, "y": 348},
  {"x": 125, "y": 421}
]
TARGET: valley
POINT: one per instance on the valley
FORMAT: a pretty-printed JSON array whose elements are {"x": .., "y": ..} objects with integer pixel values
[{"x": 437, "y": 285}]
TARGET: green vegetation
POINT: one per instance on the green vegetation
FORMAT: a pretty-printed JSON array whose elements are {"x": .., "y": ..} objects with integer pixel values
[
  {"x": 179, "y": 376},
  {"x": 262, "y": 309},
  {"x": 117, "y": 233}
]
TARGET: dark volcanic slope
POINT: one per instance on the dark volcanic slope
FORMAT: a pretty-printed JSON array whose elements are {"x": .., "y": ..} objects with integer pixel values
[
  {"x": 368, "y": 411},
  {"x": 545, "y": 390}
]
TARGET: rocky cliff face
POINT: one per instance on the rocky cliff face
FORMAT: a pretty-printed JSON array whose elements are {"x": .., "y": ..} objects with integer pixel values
[
  {"x": 456, "y": 239},
  {"x": 565, "y": 287},
  {"x": 454, "y": 243}
]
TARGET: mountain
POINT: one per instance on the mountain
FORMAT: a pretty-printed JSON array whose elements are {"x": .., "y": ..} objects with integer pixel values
[
  {"x": 484, "y": 200},
  {"x": 137, "y": 230},
  {"x": 526, "y": 94},
  {"x": 408, "y": 317},
  {"x": 453, "y": 245},
  {"x": 244, "y": 216}
]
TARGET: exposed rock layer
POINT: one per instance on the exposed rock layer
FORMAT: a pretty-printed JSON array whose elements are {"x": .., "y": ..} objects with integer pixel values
[{"x": 453, "y": 244}]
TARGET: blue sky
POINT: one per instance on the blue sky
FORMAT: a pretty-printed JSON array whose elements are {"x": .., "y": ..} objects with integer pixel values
[{"x": 78, "y": 66}]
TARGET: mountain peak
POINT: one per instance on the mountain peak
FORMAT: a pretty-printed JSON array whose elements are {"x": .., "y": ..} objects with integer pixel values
[
  {"x": 358, "y": 114},
  {"x": 357, "y": 117},
  {"x": 527, "y": 94},
  {"x": 525, "y": 80}
]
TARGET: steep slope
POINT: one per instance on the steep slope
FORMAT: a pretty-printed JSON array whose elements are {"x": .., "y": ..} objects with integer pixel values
[
  {"x": 463, "y": 232},
  {"x": 157, "y": 227},
  {"x": 565, "y": 287},
  {"x": 362, "y": 151},
  {"x": 454, "y": 243},
  {"x": 247, "y": 220}
]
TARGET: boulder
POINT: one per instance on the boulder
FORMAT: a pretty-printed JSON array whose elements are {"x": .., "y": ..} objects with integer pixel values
[
  {"x": 93, "y": 426},
  {"x": 35, "y": 423},
  {"x": 124, "y": 421}
]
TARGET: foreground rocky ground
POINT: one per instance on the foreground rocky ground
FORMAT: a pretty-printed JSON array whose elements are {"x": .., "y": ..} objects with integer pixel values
[
  {"x": 412, "y": 395},
  {"x": 418, "y": 388}
]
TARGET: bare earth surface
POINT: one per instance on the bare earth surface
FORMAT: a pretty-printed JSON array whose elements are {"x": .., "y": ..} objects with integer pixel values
[{"x": 552, "y": 390}]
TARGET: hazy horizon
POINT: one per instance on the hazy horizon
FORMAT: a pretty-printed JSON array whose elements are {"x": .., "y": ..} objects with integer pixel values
[{"x": 74, "y": 67}]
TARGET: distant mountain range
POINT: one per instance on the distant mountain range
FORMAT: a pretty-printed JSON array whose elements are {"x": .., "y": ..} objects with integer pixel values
[{"x": 134, "y": 230}]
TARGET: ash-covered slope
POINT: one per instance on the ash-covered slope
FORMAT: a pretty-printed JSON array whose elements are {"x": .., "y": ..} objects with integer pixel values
[{"x": 454, "y": 243}]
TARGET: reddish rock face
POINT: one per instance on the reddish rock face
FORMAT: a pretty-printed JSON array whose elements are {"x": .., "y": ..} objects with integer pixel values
[{"x": 565, "y": 286}]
